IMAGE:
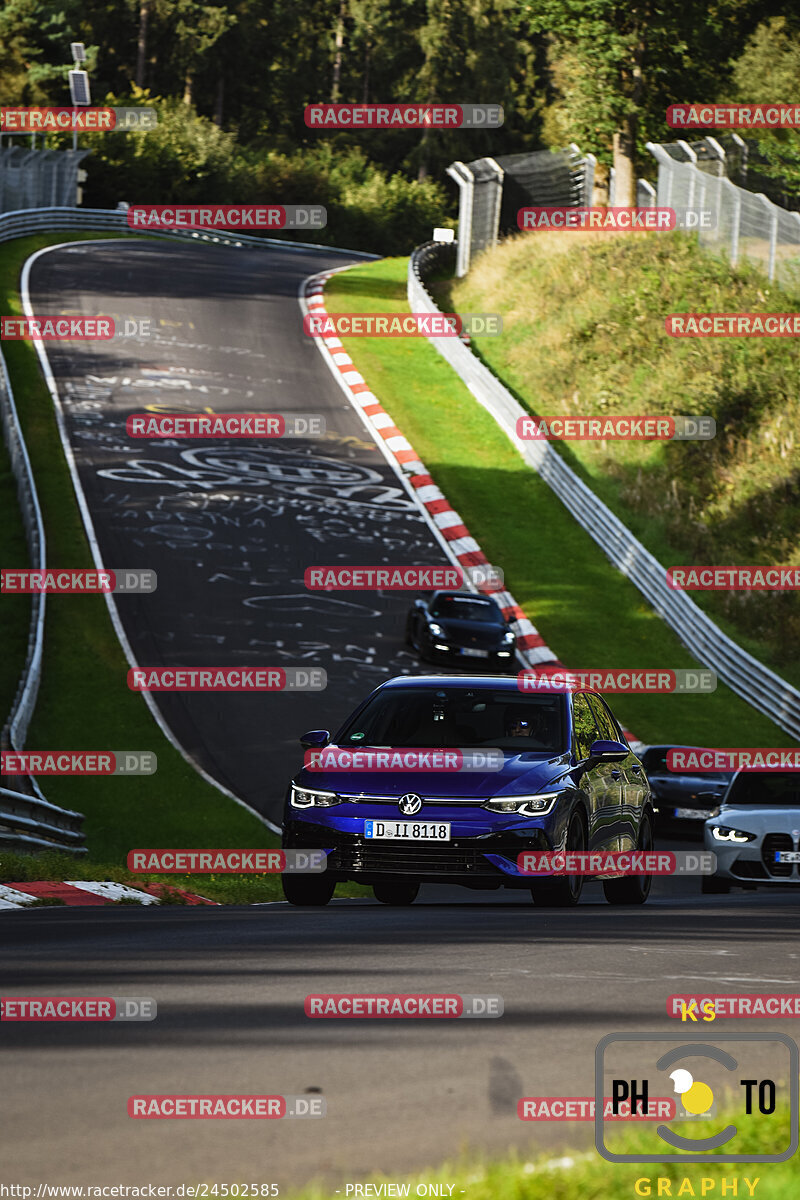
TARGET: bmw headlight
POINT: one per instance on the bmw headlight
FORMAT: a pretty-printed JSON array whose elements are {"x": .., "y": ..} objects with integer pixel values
[
  {"x": 524, "y": 806},
  {"x": 435, "y": 630},
  {"x": 725, "y": 833},
  {"x": 508, "y": 637},
  {"x": 310, "y": 798}
]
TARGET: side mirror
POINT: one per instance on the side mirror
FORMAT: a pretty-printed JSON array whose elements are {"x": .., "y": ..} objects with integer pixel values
[
  {"x": 315, "y": 740},
  {"x": 608, "y": 751}
]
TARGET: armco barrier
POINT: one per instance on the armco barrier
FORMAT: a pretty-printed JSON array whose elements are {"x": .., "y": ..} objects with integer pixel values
[
  {"x": 27, "y": 823},
  {"x": 16, "y": 728},
  {"x": 744, "y": 674}
]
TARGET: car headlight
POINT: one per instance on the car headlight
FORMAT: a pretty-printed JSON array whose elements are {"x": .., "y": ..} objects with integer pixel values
[
  {"x": 310, "y": 798},
  {"x": 509, "y": 637},
  {"x": 524, "y": 806},
  {"x": 725, "y": 833},
  {"x": 435, "y": 630}
]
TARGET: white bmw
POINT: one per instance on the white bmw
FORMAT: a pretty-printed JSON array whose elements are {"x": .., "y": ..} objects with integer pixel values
[{"x": 755, "y": 832}]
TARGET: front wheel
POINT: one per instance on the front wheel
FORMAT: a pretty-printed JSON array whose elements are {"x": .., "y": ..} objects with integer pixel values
[
  {"x": 634, "y": 889},
  {"x": 308, "y": 890},
  {"x": 563, "y": 893},
  {"x": 396, "y": 892}
]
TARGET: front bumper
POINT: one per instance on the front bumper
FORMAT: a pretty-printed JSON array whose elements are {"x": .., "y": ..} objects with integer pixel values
[
  {"x": 754, "y": 862},
  {"x": 484, "y": 861}
]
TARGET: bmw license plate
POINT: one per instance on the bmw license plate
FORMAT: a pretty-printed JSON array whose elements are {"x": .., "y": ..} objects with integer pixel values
[
  {"x": 787, "y": 856},
  {"x": 408, "y": 831},
  {"x": 692, "y": 814},
  {"x": 474, "y": 653}
]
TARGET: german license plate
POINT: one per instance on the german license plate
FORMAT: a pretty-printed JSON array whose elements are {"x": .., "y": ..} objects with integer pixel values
[
  {"x": 692, "y": 814},
  {"x": 787, "y": 856},
  {"x": 470, "y": 653},
  {"x": 408, "y": 831}
]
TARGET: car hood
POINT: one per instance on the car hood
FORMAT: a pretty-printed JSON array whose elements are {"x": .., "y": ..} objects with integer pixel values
[
  {"x": 477, "y": 633},
  {"x": 521, "y": 774},
  {"x": 759, "y": 819}
]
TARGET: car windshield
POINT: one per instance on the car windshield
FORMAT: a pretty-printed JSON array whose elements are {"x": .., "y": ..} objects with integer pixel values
[
  {"x": 655, "y": 763},
  {"x": 459, "y": 717},
  {"x": 761, "y": 787},
  {"x": 466, "y": 608}
]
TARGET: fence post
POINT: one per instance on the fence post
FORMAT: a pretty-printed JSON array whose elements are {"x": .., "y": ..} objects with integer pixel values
[
  {"x": 735, "y": 223},
  {"x": 466, "y": 188},
  {"x": 773, "y": 231}
]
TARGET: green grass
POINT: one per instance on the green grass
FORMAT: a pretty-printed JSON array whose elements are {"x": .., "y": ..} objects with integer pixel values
[
  {"x": 588, "y": 613},
  {"x": 583, "y": 334},
  {"x": 585, "y": 1175},
  {"x": 226, "y": 889},
  {"x": 84, "y": 702}
]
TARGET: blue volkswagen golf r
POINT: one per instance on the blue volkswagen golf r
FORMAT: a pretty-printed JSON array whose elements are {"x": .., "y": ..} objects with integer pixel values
[{"x": 567, "y": 781}]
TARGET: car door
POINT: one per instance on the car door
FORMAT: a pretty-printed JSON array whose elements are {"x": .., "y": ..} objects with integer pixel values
[
  {"x": 628, "y": 774},
  {"x": 600, "y": 783}
]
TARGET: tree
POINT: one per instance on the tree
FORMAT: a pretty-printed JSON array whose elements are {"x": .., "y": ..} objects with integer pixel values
[
  {"x": 618, "y": 67},
  {"x": 769, "y": 69}
]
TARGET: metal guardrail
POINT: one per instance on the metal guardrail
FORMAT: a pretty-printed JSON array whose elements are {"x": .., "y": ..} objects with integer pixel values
[
  {"x": 745, "y": 675},
  {"x": 27, "y": 823},
  {"x": 52, "y": 220},
  {"x": 16, "y": 728}
]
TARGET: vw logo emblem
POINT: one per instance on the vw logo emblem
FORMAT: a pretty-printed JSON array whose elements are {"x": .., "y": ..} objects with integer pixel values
[{"x": 410, "y": 804}]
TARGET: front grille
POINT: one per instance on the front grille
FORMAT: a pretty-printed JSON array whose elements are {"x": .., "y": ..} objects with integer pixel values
[
  {"x": 771, "y": 843},
  {"x": 413, "y": 860}
]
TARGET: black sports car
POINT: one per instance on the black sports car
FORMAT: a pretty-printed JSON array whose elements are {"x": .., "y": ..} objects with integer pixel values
[
  {"x": 459, "y": 627},
  {"x": 682, "y": 799}
]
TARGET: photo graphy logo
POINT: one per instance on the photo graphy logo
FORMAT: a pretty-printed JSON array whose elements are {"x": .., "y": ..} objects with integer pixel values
[{"x": 745, "y": 1075}]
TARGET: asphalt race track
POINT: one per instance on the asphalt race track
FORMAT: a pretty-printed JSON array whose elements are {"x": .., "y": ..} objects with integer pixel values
[
  {"x": 401, "y": 1094},
  {"x": 231, "y": 525},
  {"x": 230, "y": 528}
]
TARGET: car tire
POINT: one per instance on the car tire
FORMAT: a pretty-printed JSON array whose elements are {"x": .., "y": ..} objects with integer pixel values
[
  {"x": 712, "y": 885},
  {"x": 308, "y": 890},
  {"x": 634, "y": 889},
  {"x": 564, "y": 892},
  {"x": 398, "y": 893}
]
